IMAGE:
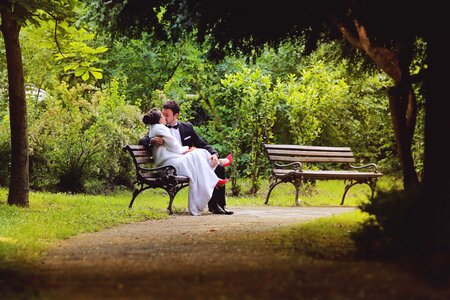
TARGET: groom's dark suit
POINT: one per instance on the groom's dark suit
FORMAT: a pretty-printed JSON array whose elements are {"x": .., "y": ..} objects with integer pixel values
[{"x": 190, "y": 138}]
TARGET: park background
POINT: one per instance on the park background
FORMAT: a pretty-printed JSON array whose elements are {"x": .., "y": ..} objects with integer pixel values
[
  {"x": 87, "y": 92},
  {"x": 88, "y": 87}
]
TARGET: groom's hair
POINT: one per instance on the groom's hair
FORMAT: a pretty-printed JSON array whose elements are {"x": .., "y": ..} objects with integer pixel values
[{"x": 172, "y": 105}]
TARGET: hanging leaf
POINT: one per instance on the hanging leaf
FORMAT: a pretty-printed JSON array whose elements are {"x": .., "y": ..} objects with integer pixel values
[
  {"x": 97, "y": 75},
  {"x": 80, "y": 71},
  {"x": 73, "y": 66},
  {"x": 101, "y": 49},
  {"x": 85, "y": 76}
]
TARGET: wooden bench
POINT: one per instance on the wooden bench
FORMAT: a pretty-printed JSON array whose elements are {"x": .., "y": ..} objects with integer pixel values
[
  {"x": 290, "y": 164},
  {"x": 147, "y": 176}
]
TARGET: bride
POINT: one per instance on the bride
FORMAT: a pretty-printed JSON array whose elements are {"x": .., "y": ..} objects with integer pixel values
[{"x": 193, "y": 163}]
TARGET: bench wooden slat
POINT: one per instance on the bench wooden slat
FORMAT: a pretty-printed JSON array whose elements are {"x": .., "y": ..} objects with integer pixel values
[
  {"x": 155, "y": 176},
  {"x": 311, "y": 159},
  {"x": 136, "y": 147},
  {"x": 139, "y": 153},
  {"x": 329, "y": 174},
  {"x": 144, "y": 160},
  {"x": 301, "y": 147},
  {"x": 309, "y": 153}
]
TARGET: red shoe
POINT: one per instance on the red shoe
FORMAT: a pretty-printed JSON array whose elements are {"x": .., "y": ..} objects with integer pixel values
[
  {"x": 221, "y": 182},
  {"x": 230, "y": 160}
]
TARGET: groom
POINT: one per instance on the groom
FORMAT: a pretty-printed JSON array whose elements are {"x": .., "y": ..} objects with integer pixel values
[{"x": 185, "y": 133}]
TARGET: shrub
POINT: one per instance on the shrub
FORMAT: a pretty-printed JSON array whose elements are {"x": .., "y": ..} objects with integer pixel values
[
  {"x": 393, "y": 228},
  {"x": 75, "y": 145}
]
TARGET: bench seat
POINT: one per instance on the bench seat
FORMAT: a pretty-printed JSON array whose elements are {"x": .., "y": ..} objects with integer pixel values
[
  {"x": 293, "y": 164},
  {"x": 325, "y": 174}
]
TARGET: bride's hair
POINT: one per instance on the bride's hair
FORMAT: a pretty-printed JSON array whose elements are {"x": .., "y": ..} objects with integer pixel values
[{"x": 152, "y": 117}]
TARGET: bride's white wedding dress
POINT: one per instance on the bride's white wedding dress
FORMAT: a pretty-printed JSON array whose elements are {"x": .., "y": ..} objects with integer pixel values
[{"x": 195, "y": 165}]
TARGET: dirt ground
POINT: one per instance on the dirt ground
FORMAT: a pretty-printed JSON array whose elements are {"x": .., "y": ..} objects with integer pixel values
[{"x": 211, "y": 257}]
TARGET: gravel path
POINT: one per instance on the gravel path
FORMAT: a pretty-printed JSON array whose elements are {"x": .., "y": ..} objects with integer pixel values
[
  {"x": 151, "y": 243},
  {"x": 211, "y": 257}
]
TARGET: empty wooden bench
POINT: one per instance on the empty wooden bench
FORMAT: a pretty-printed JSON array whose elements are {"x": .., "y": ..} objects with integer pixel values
[
  {"x": 147, "y": 176},
  {"x": 292, "y": 163}
]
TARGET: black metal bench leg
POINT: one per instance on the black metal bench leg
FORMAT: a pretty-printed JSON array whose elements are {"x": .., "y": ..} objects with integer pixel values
[
  {"x": 297, "y": 191},
  {"x": 169, "y": 208},
  {"x": 135, "y": 194},
  {"x": 172, "y": 191},
  {"x": 268, "y": 194},
  {"x": 372, "y": 184},
  {"x": 272, "y": 185},
  {"x": 347, "y": 187},
  {"x": 297, "y": 184}
]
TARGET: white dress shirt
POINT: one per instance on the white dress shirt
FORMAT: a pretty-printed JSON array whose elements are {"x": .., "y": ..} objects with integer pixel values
[{"x": 176, "y": 134}]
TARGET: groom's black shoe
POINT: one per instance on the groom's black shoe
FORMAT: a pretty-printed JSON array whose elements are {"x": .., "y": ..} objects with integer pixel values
[
  {"x": 227, "y": 212},
  {"x": 216, "y": 209}
]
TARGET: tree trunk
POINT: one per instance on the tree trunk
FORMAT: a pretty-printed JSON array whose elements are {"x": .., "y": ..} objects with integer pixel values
[
  {"x": 402, "y": 101},
  {"x": 19, "y": 182},
  {"x": 435, "y": 206},
  {"x": 403, "y": 114}
]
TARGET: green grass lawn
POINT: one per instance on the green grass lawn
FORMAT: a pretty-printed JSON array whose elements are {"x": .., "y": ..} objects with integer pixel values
[
  {"x": 327, "y": 238},
  {"x": 324, "y": 193},
  {"x": 26, "y": 232}
]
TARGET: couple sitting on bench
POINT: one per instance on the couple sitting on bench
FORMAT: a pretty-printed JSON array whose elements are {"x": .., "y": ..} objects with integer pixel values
[{"x": 176, "y": 143}]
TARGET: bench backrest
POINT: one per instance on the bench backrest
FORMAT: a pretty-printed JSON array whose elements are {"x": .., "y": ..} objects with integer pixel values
[
  {"x": 146, "y": 171},
  {"x": 308, "y": 154},
  {"x": 140, "y": 154},
  {"x": 143, "y": 160}
]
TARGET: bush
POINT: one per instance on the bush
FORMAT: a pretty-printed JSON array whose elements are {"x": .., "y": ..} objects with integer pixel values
[
  {"x": 75, "y": 145},
  {"x": 393, "y": 228}
]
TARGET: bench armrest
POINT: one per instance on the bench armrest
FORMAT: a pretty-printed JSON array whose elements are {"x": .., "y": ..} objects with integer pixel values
[
  {"x": 297, "y": 165},
  {"x": 371, "y": 166}
]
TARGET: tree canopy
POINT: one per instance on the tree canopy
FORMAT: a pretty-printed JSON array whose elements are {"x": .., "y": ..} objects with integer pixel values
[{"x": 245, "y": 24}]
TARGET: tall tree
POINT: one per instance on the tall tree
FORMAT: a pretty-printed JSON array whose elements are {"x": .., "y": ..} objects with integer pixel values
[{"x": 14, "y": 14}]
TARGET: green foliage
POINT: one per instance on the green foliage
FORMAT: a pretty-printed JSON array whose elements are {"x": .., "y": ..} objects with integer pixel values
[
  {"x": 146, "y": 65},
  {"x": 315, "y": 95},
  {"x": 31, "y": 11},
  {"x": 250, "y": 120},
  {"x": 286, "y": 98},
  {"x": 282, "y": 61},
  {"x": 5, "y": 150},
  {"x": 38, "y": 49},
  {"x": 3, "y": 80},
  {"x": 418, "y": 146},
  {"x": 325, "y": 104},
  {"x": 79, "y": 58},
  {"x": 78, "y": 139},
  {"x": 54, "y": 51}
]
